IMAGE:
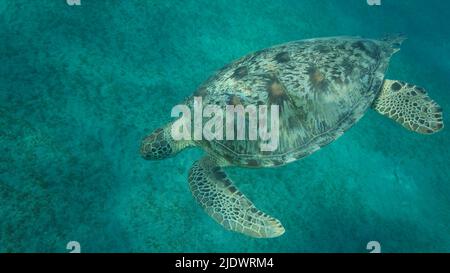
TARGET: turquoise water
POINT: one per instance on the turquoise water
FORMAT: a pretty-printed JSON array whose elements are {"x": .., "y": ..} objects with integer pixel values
[{"x": 81, "y": 85}]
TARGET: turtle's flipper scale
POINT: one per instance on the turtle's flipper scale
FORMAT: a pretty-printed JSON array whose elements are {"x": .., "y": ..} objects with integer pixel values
[
  {"x": 410, "y": 106},
  {"x": 215, "y": 192}
]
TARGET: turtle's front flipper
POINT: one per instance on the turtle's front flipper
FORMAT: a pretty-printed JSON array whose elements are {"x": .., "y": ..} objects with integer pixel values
[
  {"x": 226, "y": 204},
  {"x": 410, "y": 106}
]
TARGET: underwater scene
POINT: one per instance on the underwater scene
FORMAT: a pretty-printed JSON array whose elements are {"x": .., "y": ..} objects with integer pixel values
[{"x": 83, "y": 82}]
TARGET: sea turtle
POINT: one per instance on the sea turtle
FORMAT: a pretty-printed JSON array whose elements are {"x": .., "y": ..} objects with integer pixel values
[{"x": 322, "y": 87}]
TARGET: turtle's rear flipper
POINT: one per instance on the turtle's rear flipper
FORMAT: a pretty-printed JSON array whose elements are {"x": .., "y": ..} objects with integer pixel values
[
  {"x": 410, "y": 106},
  {"x": 226, "y": 204}
]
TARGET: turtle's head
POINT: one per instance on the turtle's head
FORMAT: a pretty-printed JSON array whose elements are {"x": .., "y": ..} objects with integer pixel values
[{"x": 160, "y": 144}]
